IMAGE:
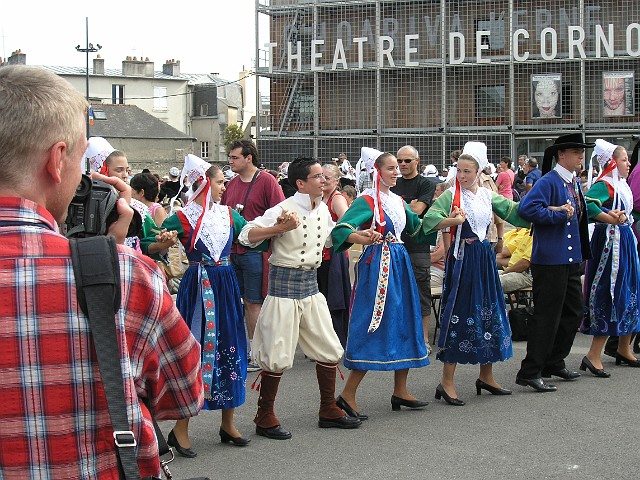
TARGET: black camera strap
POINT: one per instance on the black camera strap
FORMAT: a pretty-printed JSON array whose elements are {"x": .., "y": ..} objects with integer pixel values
[
  {"x": 97, "y": 273},
  {"x": 253, "y": 179}
]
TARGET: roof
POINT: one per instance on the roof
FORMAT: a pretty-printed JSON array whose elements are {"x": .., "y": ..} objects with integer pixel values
[
  {"x": 130, "y": 121},
  {"x": 114, "y": 72}
]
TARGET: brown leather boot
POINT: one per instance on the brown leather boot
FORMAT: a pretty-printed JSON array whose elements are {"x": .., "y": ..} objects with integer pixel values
[
  {"x": 330, "y": 414},
  {"x": 267, "y": 423}
]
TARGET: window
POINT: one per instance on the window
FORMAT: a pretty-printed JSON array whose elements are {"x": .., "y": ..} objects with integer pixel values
[
  {"x": 160, "y": 99},
  {"x": 204, "y": 149},
  {"x": 204, "y": 109},
  {"x": 117, "y": 94},
  {"x": 490, "y": 101},
  {"x": 99, "y": 115}
]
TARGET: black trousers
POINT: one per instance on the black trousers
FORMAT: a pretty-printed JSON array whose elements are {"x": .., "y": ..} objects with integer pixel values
[{"x": 558, "y": 308}]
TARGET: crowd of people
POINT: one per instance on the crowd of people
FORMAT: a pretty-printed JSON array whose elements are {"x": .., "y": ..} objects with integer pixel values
[{"x": 268, "y": 271}]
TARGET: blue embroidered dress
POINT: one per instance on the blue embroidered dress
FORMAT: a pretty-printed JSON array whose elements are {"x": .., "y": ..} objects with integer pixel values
[
  {"x": 209, "y": 301},
  {"x": 473, "y": 319},
  {"x": 385, "y": 329},
  {"x": 611, "y": 311}
]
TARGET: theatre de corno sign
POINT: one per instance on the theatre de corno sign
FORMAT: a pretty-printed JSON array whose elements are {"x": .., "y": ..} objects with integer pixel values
[{"x": 341, "y": 44}]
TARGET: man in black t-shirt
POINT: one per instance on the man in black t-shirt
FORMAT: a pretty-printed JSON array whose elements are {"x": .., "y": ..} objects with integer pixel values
[{"x": 417, "y": 191}]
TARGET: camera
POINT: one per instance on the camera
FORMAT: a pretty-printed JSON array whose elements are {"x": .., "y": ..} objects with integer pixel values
[{"x": 92, "y": 209}]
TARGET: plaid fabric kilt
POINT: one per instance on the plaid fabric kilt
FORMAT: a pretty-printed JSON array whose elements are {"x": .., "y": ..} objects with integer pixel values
[{"x": 293, "y": 283}]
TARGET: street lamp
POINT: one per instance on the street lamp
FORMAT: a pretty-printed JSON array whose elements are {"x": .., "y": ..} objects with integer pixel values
[{"x": 89, "y": 48}]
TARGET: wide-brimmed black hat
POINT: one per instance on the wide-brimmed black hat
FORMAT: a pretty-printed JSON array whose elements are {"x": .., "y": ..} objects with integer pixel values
[{"x": 571, "y": 140}]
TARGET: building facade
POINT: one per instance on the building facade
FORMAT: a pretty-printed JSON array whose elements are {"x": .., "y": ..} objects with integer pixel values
[
  {"x": 200, "y": 106},
  {"x": 435, "y": 74}
]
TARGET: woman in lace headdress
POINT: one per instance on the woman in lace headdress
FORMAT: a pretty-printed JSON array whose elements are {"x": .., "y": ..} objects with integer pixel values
[
  {"x": 209, "y": 298},
  {"x": 612, "y": 276},
  {"x": 473, "y": 319},
  {"x": 385, "y": 329}
]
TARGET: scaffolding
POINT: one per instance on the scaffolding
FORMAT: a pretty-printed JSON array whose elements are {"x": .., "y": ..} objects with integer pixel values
[{"x": 434, "y": 74}]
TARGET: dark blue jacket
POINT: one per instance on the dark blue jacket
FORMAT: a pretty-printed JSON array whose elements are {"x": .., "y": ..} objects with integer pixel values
[{"x": 557, "y": 240}]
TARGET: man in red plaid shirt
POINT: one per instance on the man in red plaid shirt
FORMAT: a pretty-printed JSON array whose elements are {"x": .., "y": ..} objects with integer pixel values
[{"x": 54, "y": 421}]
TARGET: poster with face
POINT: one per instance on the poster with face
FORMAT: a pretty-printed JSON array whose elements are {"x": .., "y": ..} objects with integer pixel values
[
  {"x": 617, "y": 94},
  {"x": 546, "y": 92}
]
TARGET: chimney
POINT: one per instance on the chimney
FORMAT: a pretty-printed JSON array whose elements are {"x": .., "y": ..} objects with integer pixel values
[
  {"x": 17, "y": 58},
  {"x": 132, "y": 67},
  {"x": 98, "y": 66},
  {"x": 171, "y": 67}
]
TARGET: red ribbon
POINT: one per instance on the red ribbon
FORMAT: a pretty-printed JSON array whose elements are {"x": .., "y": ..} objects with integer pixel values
[
  {"x": 204, "y": 191},
  {"x": 612, "y": 166},
  {"x": 455, "y": 203}
]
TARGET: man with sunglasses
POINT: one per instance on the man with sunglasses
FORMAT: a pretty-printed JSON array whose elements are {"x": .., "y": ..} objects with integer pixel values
[{"x": 418, "y": 192}]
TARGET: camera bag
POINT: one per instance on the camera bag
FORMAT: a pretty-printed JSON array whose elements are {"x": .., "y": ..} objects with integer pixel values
[
  {"x": 519, "y": 319},
  {"x": 99, "y": 296}
]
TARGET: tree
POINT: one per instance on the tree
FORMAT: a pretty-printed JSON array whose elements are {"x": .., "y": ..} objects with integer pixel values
[{"x": 231, "y": 134}]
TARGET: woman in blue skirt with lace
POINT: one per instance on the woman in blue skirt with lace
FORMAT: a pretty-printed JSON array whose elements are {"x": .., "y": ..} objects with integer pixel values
[
  {"x": 612, "y": 280},
  {"x": 474, "y": 324}
]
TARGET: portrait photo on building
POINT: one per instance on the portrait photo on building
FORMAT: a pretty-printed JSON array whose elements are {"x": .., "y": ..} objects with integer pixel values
[
  {"x": 617, "y": 94},
  {"x": 546, "y": 95}
]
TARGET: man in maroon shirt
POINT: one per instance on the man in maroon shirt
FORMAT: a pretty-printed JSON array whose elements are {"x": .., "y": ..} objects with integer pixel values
[{"x": 251, "y": 192}]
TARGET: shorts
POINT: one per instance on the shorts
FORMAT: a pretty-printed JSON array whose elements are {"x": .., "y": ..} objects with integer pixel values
[
  {"x": 421, "y": 263},
  {"x": 248, "y": 267}
]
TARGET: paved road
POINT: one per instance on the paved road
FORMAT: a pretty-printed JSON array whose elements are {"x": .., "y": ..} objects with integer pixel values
[{"x": 586, "y": 430}]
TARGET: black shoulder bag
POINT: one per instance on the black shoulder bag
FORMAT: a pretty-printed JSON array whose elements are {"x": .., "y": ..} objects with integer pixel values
[{"x": 97, "y": 273}]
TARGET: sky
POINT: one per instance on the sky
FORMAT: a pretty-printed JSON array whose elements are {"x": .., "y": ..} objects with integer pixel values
[{"x": 207, "y": 36}]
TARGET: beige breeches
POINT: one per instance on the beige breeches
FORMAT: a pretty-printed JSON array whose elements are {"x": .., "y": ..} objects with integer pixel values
[{"x": 284, "y": 321}]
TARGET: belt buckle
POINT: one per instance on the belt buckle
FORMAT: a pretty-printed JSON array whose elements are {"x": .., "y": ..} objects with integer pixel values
[{"x": 124, "y": 438}]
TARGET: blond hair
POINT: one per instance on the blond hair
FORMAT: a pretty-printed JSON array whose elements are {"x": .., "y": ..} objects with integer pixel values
[
  {"x": 37, "y": 109},
  {"x": 334, "y": 170}
]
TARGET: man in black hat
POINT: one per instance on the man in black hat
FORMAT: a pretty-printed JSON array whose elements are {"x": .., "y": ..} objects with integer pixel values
[{"x": 556, "y": 207}]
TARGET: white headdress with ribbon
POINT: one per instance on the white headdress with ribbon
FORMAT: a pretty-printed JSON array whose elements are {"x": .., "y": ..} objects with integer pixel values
[
  {"x": 368, "y": 158},
  {"x": 98, "y": 149},
  {"x": 196, "y": 169},
  {"x": 478, "y": 151}
]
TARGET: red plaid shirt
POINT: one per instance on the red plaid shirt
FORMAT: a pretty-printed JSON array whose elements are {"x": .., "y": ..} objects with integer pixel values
[{"x": 54, "y": 421}]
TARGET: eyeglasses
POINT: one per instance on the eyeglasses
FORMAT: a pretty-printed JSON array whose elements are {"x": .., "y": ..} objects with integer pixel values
[
  {"x": 233, "y": 158},
  {"x": 318, "y": 176},
  {"x": 405, "y": 160}
]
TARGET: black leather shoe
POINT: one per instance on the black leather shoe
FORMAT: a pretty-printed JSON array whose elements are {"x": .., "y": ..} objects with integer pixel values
[
  {"x": 598, "y": 372},
  {"x": 274, "y": 433},
  {"x": 172, "y": 441},
  {"x": 537, "y": 384},
  {"x": 237, "y": 441},
  {"x": 342, "y": 403},
  {"x": 480, "y": 385},
  {"x": 396, "y": 402},
  {"x": 627, "y": 361},
  {"x": 342, "y": 422},
  {"x": 441, "y": 393},
  {"x": 563, "y": 373}
]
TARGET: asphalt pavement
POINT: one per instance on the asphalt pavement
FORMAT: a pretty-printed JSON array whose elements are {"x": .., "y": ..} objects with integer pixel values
[{"x": 588, "y": 429}]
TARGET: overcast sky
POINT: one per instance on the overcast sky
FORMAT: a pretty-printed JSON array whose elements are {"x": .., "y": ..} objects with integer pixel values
[{"x": 207, "y": 36}]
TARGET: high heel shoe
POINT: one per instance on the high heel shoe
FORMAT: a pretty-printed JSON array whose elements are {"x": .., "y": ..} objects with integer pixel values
[
  {"x": 237, "y": 441},
  {"x": 440, "y": 393},
  {"x": 598, "y": 372},
  {"x": 348, "y": 409},
  {"x": 396, "y": 402},
  {"x": 172, "y": 441},
  {"x": 480, "y": 385},
  {"x": 627, "y": 361}
]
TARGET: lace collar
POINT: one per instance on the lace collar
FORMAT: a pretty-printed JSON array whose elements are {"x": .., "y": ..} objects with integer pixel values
[
  {"x": 393, "y": 206},
  {"x": 477, "y": 208},
  {"x": 624, "y": 193},
  {"x": 214, "y": 230}
]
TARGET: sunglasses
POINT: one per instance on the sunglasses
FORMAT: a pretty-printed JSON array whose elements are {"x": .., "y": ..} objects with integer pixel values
[{"x": 405, "y": 160}]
